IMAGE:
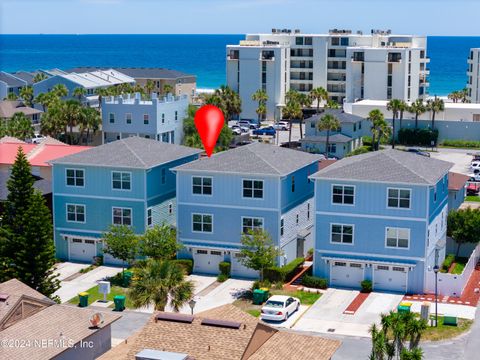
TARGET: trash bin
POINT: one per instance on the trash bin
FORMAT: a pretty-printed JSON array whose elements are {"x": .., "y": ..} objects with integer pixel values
[
  {"x": 258, "y": 296},
  {"x": 83, "y": 299},
  {"x": 127, "y": 278},
  {"x": 403, "y": 309},
  {"x": 266, "y": 293},
  {"x": 119, "y": 301}
]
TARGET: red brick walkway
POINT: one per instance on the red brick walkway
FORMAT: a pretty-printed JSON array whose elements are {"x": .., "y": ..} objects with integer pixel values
[
  {"x": 469, "y": 296},
  {"x": 356, "y": 303}
]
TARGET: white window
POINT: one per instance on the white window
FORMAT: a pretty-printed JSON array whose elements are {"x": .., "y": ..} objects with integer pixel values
[
  {"x": 253, "y": 189},
  {"x": 122, "y": 216},
  {"x": 164, "y": 176},
  {"x": 128, "y": 118},
  {"x": 149, "y": 217},
  {"x": 145, "y": 119},
  {"x": 75, "y": 177},
  {"x": 341, "y": 234},
  {"x": 202, "y": 223},
  {"x": 398, "y": 198},
  {"x": 202, "y": 185},
  {"x": 75, "y": 213},
  {"x": 397, "y": 238},
  {"x": 251, "y": 224},
  {"x": 121, "y": 180},
  {"x": 343, "y": 194}
]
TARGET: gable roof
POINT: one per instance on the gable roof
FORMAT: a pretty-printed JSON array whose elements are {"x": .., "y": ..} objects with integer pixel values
[
  {"x": 9, "y": 107},
  {"x": 456, "y": 181},
  {"x": 334, "y": 138},
  {"x": 133, "y": 152},
  {"x": 11, "y": 80},
  {"x": 255, "y": 158},
  {"x": 140, "y": 72},
  {"x": 392, "y": 166},
  {"x": 341, "y": 115},
  {"x": 42, "y": 185}
]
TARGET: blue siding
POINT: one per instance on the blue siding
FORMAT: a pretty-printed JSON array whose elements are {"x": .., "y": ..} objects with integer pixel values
[
  {"x": 455, "y": 199},
  {"x": 304, "y": 187},
  {"x": 437, "y": 203}
]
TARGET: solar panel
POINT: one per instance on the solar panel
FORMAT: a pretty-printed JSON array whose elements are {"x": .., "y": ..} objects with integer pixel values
[
  {"x": 3, "y": 297},
  {"x": 221, "y": 323},
  {"x": 175, "y": 318}
]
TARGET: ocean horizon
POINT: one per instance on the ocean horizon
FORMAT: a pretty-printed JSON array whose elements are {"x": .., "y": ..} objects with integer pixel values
[{"x": 202, "y": 55}]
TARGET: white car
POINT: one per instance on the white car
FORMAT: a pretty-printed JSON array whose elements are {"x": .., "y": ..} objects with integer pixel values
[
  {"x": 281, "y": 125},
  {"x": 279, "y": 307},
  {"x": 37, "y": 139},
  {"x": 236, "y": 130},
  {"x": 475, "y": 165}
]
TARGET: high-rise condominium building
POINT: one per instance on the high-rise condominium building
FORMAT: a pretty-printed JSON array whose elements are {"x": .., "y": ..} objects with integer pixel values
[
  {"x": 473, "y": 75},
  {"x": 350, "y": 66}
]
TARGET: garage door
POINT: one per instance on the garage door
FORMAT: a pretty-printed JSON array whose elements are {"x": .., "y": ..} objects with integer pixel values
[
  {"x": 207, "y": 261},
  {"x": 390, "y": 278},
  {"x": 240, "y": 270},
  {"x": 82, "y": 250},
  {"x": 344, "y": 274}
]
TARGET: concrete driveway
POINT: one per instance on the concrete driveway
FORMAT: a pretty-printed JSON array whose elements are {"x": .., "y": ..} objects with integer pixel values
[
  {"x": 291, "y": 321},
  {"x": 326, "y": 315}
]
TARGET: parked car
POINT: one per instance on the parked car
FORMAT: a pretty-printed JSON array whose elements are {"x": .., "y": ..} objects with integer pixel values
[
  {"x": 473, "y": 188},
  {"x": 236, "y": 130},
  {"x": 419, "y": 152},
  {"x": 281, "y": 125},
  {"x": 475, "y": 165},
  {"x": 279, "y": 307},
  {"x": 247, "y": 124},
  {"x": 474, "y": 177},
  {"x": 37, "y": 139},
  {"x": 269, "y": 130}
]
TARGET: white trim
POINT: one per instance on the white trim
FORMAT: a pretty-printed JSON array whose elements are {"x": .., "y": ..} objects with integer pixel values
[
  {"x": 371, "y": 216},
  {"x": 109, "y": 118},
  {"x": 123, "y": 208},
  {"x": 253, "y": 189},
  {"x": 253, "y": 218},
  {"x": 343, "y": 195},
  {"x": 151, "y": 218},
  {"x": 84, "y": 213},
  {"x": 81, "y": 236},
  {"x": 226, "y": 206},
  {"x": 370, "y": 255},
  {"x": 201, "y": 186},
  {"x": 75, "y": 186},
  {"x": 121, "y": 173},
  {"x": 208, "y": 242},
  {"x": 398, "y": 207},
  {"x": 79, "y": 230},
  {"x": 397, "y": 229},
  {"x": 202, "y": 215},
  {"x": 99, "y": 197},
  {"x": 342, "y": 225},
  {"x": 392, "y": 264},
  {"x": 367, "y": 261}
]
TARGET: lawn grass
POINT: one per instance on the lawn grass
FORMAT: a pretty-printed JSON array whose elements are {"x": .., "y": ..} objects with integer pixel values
[
  {"x": 254, "y": 312},
  {"x": 443, "y": 332},
  {"x": 472, "y": 198},
  {"x": 94, "y": 295},
  {"x": 306, "y": 298},
  {"x": 458, "y": 269}
]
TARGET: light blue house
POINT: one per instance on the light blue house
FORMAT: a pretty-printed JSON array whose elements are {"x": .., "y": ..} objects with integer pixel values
[
  {"x": 10, "y": 84},
  {"x": 342, "y": 141},
  {"x": 257, "y": 186},
  {"x": 159, "y": 119},
  {"x": 381, "y": 216},
  {"x": 126, "y": 182},
  {"x": 456, "y": 190}
]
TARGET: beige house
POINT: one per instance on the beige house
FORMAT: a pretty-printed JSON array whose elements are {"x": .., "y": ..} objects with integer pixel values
[{"x": 9, "y": 107}]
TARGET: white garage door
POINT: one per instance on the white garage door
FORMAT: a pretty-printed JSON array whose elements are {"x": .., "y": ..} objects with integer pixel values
[
  {"x": 82, "y": 250},
  {"x": 240, "y": 270},
  {"x": 344, "y": 274},
  {"x": 207, "y": 261},
  {"x": 390, "y": 278}
]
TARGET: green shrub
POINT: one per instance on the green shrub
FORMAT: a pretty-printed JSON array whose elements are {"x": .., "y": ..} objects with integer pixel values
[
  {"x": 422, "y": 137},
  {"x": 274, "y": 274},
  {"x": 314, "y": 282},
  {"x": 367, "y": 140},
  {"x": 222, "y": 277},
  {"x": 285, "y": 273},
  {"x": 449, "y": 259},
  {"x": 261, "y": 284},
  {"x": 366, "y": 286},
  {"x": 224, "y": 268},
  {"x": 310, "y": 252},
  {"x": 360, "y": 150},
  {"x": 187, "y": 264},
  {"x": 461, "y": 143}
]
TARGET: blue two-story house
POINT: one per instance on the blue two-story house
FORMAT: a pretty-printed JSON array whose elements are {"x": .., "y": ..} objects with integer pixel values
[
  {"x": 256, "y": 186},
  {"x": 381, "y": 216},
  {"x": 125, "y": 182},
  {"x": 342, "y": 140}
]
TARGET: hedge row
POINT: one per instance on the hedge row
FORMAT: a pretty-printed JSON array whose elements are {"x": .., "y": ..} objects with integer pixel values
[
  {"x": 314, "y": 282},
  {"x": 461, "y": 143},
  {"x": 422, "y": 137},
  {"x": 187, "y": 264},
  {"x": 284, "y": 273}
]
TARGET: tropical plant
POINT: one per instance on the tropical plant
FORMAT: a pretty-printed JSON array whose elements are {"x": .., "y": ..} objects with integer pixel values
[
  {"x": 11, "y": 96},
  {"x": 258, "y": 252},
  {"x": 328, "y": 123},
  {"x": 379, "y": 127},
  {"x": 463, "y": 225},
  {"x": 292, "y": 110},
  {"x": 39, "y": 77},
  {"x": 305, "y": 101},
  {"x": 319, "y": 94},
  {"x": 90, "y": 120},
  {"x": 261, "y": 96},
  {"x": 60, "y": 90},
  {"x": 53, "y": 121},
  {"x": 417, "y": 108},
  {"x": 159, "y": 242},
  {"x": 455, "y": 96},
  {"x": 464, "y": 95},
  {"x": 403, "y": 107},
  {"x": 26, "y": 93},
  {"x": 395, "y": 106},
  {"x": 149, "y": 86},
  {"x": 18, "y": 126},
  {"x": 435, "y": 106},
  {"x": 72, "y": 113},
  {"x": 101, "y": 93},
  {"x": 226, "y": 100},
  {"x": 79, "y": 92},
  {"x": 167, "y": 89},
  {"x": 160, "y": 283},
  {"x": 122, "y": 243}
]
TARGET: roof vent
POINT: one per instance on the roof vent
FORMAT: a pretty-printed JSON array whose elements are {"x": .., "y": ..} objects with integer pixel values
[
  {"x": 188, "y": 319},
  {"x": 4, "y": 297},
  {"x": 221, "y": 323}
]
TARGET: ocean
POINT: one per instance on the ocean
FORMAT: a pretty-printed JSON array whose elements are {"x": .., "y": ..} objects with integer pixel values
[{"x": 201, "y": 55}]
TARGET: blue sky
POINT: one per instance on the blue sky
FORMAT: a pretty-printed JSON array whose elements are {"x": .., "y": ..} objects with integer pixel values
[{"x": 425, "y": 17}]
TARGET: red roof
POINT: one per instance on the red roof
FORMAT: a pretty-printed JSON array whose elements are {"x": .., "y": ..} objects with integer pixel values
[
  {"x": 325, "y": 163},
  {"x": 456, "y": 181},
  {"x": 37, "y": 155}
]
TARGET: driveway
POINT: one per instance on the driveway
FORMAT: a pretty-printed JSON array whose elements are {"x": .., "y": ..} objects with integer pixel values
[
  {"x": 291, "y": 321},
  {"x": 71, "y": 288},
  {"x": 66, "y": 269},
  {"x": 326, "y": 315}
]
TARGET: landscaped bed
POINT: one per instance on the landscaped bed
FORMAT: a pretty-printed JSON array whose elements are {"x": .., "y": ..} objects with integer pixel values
[
  {"x": 453, "y": 264},
  {"x": 94, "y": 295},
  {"x": 443, "y": 332}
]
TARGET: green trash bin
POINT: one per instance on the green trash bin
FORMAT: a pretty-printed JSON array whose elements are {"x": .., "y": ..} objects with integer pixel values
[
  {"x": 258, "y": 296},
  {"x": 403, "y": 309},
  {"x": 83, "y": 299},
  {"x": 127, "y": 278},
  {"x": 119, "y": 301},
  {"x": 266, "y": 293}
]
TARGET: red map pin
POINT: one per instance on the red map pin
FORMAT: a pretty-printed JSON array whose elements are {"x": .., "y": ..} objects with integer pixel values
[{"x": 209, "y": 122}]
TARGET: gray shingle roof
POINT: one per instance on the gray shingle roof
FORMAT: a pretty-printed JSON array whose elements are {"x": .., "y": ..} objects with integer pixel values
[
  {"x": 11, "y": 80},
  {"x": 335, "y": 138},
  {"x": 255, "y": 158},
  {"x": 42, "y": 185},
  {"x": 387, "y": 166},
  {"x": 133, "y": 152},
  {"x": 25, "y": 76},
  {"x": 139, "y": 72},
  {"x": 342, "y": 116}
]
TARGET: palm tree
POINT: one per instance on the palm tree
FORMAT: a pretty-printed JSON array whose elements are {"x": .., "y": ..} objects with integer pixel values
[
  {"x": 39, "y": 77},
  {"x": 402, "y": 109},
  {"x": 167, "y": 89},
  {"x": 261, "y": 96},
  {"x": 79, "y": 92},
  {"x": 19, "y": 126},
  {"x": 305, "y": 101},
  {"x": 101, "y": 93},
  {"x": 464, "y": 95},
  {"x": 60, "y": 90},
  {"x": 379, "y": 127},
  {"x": 436, "y": 105},
  {"x": 53, "y": 121},
  {"x": 149, "y": 86},
  {"x": 160, "y": 283},
  {"x": 11, "y": 96},
  {"x": 26, "y": 93},
  {"x": 455, "y": 96},
  {"x": 137, "y": 88},
  {"x": 72, "y": 111},
  {"x": 319, "y": 94},
  {"x": 230, "y": 102},
  {"x": 417, "y": 108},
  {"x": 90, "y": 120},
  {"x": 394, "y": 106},
  {"x": 292, "y": 110},
  {"x": 328, "y": 123}
]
